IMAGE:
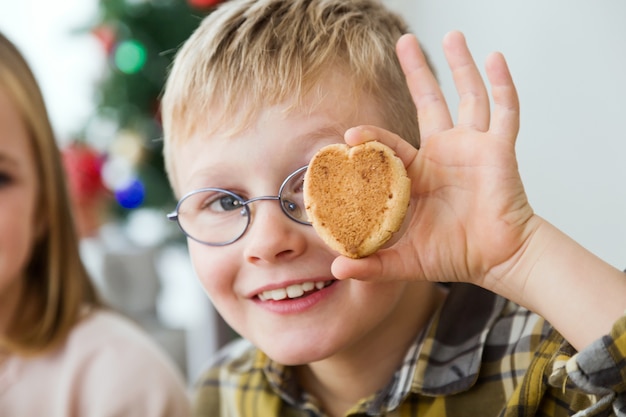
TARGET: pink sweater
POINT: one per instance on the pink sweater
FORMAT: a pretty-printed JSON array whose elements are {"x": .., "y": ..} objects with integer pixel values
[{"x": 108, "y": 367}]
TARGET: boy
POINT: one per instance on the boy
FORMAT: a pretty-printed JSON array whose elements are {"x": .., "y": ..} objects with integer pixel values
[{"x": 254, "y": 93}]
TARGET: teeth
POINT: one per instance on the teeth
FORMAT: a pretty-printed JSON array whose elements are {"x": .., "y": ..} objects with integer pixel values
[
  {"x": 292, "y": 291},
  {"x": 279, "y": 294}
]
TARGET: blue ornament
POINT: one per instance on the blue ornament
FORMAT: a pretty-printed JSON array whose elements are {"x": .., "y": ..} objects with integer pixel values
[{"x": 132, "y": 195}]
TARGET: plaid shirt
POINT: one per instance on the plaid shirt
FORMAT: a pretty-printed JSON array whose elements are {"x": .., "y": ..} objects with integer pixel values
[{"x": 504, "y": 361}]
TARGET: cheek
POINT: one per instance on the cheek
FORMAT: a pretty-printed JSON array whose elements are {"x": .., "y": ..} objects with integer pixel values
[
  {"x": 376, "y": 304},
  {"x": 16, "y": 240},
  {"x": 213, "y": 268},
  {"x": 217, "y": 270},
  {"x": 384, "y": 295}
]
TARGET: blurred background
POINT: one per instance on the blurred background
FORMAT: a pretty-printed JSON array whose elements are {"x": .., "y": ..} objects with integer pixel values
[{"x": 102, "y": 63}]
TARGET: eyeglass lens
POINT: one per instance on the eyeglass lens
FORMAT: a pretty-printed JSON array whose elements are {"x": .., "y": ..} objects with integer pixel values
[{"x": 218, "y": 217}]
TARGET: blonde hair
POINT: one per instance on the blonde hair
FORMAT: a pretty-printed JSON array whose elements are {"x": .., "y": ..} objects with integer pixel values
[
  {"x": 57, "y": 286},
  {"x": 248, "y": 54}
]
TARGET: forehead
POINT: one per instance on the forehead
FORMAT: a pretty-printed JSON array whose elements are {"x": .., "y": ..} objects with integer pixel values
[
  {"x": 233, "y": 113},
  {"x": 296, "y": 124},
  {"x": 286, "y": 134}
]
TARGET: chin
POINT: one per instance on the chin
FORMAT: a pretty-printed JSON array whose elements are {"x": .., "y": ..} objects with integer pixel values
[
  {"x": 295, "y": 359},
  {"x": 295, "y": 353}
]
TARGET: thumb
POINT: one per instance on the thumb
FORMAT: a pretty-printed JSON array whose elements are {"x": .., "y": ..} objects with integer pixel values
[{"x": 384, "y": 265}]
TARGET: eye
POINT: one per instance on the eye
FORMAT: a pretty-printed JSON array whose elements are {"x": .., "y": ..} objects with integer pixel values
[
  {"x": 290, "y": 206},
  {"x": 292, "y": 198},
  {"x": 5, "y": 179},
  {"x": 223, "y": 202}
]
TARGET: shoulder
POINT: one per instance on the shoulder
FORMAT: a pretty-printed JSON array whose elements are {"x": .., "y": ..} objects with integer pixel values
[
  {"x": 116, "y": 365},
  {"x": 518, "y": 325},
  {"x": 235, "y": 359},
  {"x": 106, "y": 335},
  {"x": 234, "y": 383},
  {"x": 495, "y": 321}
]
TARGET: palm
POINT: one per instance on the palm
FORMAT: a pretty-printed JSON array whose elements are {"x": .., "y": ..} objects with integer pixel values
[
  {"x": 468, "y": 211},
  {"x": 467, "y": 206}
]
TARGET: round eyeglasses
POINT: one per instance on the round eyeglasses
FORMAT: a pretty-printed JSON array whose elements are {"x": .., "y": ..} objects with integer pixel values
[{"x": 218, "y": 217}]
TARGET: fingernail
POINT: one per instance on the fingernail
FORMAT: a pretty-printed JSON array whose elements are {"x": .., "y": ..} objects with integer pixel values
[{"x": 366, "y": 133}]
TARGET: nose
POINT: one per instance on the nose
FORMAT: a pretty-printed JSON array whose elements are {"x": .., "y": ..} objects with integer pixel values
[{"x": 272, "y": 236}]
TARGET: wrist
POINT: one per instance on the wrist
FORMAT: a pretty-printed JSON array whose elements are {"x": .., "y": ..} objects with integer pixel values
[{"x": 577, "y": 292}]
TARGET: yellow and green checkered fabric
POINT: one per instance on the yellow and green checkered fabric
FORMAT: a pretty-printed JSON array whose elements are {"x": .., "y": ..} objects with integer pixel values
[{"x": 500, "y": 360}]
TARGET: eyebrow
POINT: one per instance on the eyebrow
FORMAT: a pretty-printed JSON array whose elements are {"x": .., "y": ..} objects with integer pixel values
[
  {"x": 323, "y": 132},
  {"x": 327, "y": 131}
]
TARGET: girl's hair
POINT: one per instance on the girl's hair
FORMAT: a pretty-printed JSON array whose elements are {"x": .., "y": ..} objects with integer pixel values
[
  {"x": 248, "y": 54},
  {"x": 57, "y": 287}
]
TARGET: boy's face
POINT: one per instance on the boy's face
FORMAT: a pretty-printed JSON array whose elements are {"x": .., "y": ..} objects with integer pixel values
[{"x": 276, "y": 252}]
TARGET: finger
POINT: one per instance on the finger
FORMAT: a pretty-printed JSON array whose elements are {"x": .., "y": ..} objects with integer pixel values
[
  {"x": 382, "y": 265},
  {"x": 344, "y": 268},
  {"x": 506, "y": 112},
  {"x": 404, "y": 150},
  {"x": 473, "y": 97},
  {"x": 432, "y": 109}
]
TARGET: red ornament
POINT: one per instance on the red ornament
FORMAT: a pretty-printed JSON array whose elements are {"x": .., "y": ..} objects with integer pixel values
[
  {"x": 204, "y": 4},
  {"x": 106, "y": 35},
  {"x": 88, "y": 195},
  {"x": 83, "y": 166}
]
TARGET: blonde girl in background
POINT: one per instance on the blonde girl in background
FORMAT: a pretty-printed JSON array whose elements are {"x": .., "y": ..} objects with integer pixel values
[{"x": 62, "y": 352}]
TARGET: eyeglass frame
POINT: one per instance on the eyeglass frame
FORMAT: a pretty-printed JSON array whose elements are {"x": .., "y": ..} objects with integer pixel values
[{"x": 173, "y": 215}]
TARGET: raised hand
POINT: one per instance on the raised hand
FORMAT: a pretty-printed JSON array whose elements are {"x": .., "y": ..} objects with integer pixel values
[{"x": 469, "y": 216}]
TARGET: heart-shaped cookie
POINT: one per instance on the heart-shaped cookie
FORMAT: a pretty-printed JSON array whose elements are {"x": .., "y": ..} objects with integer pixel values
[{"x": 356, "y": 197}]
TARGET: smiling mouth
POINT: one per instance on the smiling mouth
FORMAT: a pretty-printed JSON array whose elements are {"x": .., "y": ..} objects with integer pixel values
[{"x": 294, "y": 291}]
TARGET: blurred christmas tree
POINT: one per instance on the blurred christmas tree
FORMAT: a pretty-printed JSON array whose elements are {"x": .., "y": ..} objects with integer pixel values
[{"x": 139, "y": 39}]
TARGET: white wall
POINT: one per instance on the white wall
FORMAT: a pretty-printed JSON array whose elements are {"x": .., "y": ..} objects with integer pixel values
[{"x": 568, "y": 59}]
